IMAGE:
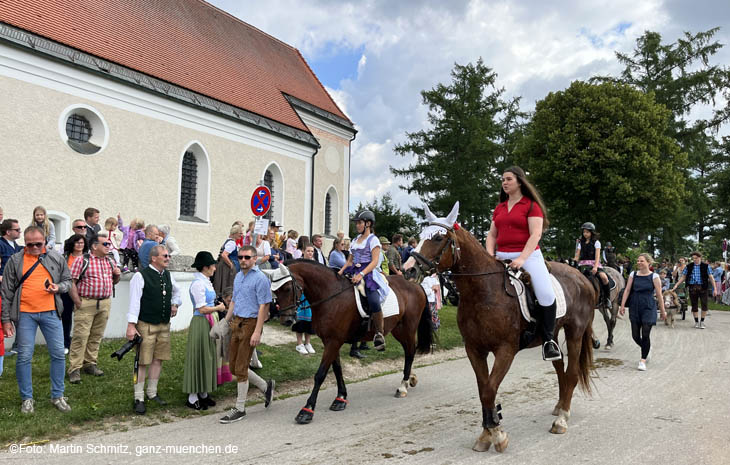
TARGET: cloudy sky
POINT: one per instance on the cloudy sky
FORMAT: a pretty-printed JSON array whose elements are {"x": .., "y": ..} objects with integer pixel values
[{"x": 375, "y": 57}]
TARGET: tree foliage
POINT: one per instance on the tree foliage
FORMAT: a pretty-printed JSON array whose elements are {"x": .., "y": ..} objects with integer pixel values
[
  {"x": 462, "y": 155},
  {"x": 388, "y": 219},
  {"x": 601, "y": 153},
  {"x": 681, "y": 77}
]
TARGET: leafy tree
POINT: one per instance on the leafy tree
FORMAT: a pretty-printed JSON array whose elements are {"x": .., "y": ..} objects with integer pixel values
[
  {"x": 388, "y": 219},
  {"x": 473, "y": 130},
  {"x": 600, "y": 153},
  {"x": 681, "y": 76}
]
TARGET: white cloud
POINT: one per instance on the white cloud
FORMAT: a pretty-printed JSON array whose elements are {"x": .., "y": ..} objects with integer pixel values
[{"x": 411, "y": 45}]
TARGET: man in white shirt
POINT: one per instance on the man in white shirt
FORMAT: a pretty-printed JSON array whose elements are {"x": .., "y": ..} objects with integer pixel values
[{"x": 154, "y": 297}]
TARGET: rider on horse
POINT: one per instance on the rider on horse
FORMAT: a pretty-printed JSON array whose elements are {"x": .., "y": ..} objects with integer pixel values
[
  {"x": 588, "y": 256},
  {"x": 363, "y": 264},
  {"x": 517, "y": 225}
]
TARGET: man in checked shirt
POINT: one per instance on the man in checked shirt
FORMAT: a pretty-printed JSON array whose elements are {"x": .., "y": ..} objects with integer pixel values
[{"x": 94, "y": 277}]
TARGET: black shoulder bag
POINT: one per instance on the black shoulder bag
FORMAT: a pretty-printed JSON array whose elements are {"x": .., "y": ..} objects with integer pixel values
[{"x": 30, "y": 271}]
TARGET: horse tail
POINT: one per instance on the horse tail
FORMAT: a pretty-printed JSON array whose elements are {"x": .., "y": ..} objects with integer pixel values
[
  {"x": 585, "y": 360},
  {"x": 425, "y": 332}
]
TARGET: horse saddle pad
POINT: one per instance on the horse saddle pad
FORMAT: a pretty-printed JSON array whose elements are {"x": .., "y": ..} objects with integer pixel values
[
  {"x": 522, "y": 297},
  {"x": 389, "y": 307}
]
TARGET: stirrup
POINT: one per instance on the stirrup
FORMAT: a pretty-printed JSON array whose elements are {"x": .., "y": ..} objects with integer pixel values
[
  {"x": 379, "y": 342},
  {"x": 551, "y": 351}
]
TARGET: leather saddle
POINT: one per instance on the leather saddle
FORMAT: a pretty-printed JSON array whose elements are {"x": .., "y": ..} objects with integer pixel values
[{"x": 364, "y": 326}]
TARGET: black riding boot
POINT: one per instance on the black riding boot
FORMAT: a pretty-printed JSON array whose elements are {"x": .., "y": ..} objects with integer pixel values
[
  {"x": 379, "y": 339},
  {"x": 550, "y": 349},
  {"x": 354, "y": 353},
  {"x": 606, "y": 295}
]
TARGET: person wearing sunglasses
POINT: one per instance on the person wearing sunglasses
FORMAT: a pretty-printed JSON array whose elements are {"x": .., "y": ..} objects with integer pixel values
[
  {"x": 10, "y": 232},
  {"x": 94, "y": 277},
  {"x": 154, "y": 298},
  {"x": 246, "y": 315},
  {"x": 33, "y": 282}
]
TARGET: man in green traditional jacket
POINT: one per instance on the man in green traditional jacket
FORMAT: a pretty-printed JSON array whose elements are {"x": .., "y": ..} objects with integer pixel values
[{"x": 153, "y": 299}]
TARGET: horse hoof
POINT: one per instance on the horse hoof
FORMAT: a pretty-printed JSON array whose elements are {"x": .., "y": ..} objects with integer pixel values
[
  {"x": 596, "y": 344},
  {"x": 558, "y": 429},
  {"x": 338, "y": 405},
  {"x": 503, "y": 441},
  {"x": 412, "y": 381},
  {"x": 304, "y": 417},
  {"x": 400, "y": 394},
  {"x": 483, "y": 442},
  {"x": 481, "y": 446}
]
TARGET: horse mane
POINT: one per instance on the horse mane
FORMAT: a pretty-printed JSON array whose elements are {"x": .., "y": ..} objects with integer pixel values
[
  {"x": 315, "y": 264},
  {"x": 469, "y": 237}
]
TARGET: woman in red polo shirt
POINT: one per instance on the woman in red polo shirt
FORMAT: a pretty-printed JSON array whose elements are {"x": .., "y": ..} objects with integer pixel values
[{"x": 517, "y": 225}]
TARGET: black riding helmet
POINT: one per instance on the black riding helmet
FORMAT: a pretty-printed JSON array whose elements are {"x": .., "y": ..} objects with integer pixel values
[
  {"x": 364, "y": 215},
  {"x": 589, "y": 226}
]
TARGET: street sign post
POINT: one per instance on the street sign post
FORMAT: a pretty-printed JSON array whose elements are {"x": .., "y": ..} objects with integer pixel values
[
  {"x": 260, "y": 205},
  {"x": 260, "y": 201}
]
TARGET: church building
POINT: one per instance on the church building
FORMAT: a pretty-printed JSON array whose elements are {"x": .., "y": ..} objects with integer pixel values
[{"x": 167, "y": 111}]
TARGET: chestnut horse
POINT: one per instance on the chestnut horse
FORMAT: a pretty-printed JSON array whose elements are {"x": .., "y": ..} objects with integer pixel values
[
  {"x": 336, "y": 321},
  {"x": 490, "y": 320}
]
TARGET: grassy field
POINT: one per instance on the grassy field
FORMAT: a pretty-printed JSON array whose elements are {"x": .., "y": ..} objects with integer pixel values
[{"x": 106, "y": 402}]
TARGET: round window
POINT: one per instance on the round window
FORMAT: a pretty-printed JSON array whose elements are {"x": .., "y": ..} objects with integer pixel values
[{"x": 83, "y": 129}]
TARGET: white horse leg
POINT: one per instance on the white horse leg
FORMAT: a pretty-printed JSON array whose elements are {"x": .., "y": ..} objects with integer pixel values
[
  {"x": 560, "y": 425},
  {"x": 402, "y": 391},
  {"x": 499, "y": 438}
]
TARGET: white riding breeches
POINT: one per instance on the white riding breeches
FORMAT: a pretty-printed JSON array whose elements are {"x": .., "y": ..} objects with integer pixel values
[{"x": 541, "y": 282}]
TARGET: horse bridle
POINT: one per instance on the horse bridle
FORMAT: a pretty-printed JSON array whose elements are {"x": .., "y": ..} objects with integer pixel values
[{"x": 434, "y": 264}]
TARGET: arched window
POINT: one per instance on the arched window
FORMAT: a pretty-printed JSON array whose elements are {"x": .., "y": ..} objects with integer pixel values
[
  {"x": 188, "y": 184},
  {"x": 269, "y": 182},
  {"x": 328, "y": 215},
  {"x": 331, "y": 212},
  {"x": 274, "y": 180},
  {"x": 194, "y": 184}
]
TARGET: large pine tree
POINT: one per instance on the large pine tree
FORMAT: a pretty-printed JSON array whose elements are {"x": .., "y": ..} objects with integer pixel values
[{"x": 462, "y": 155}]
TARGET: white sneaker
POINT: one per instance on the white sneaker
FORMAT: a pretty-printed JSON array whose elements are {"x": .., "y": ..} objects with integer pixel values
[
  {"x": 309, "y": 348},
  {"x": 642, "y": 366},
  {"x": 301, "y": 349},
  {"x": 702, "y": 325},
  {"x": 697, "y": 324},
  {"x": 65, "y": 351}
]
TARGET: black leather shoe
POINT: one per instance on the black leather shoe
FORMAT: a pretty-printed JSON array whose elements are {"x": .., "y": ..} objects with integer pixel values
[
  {"x": 207, "y": 401},
  {"x": 356, "y": 354},
  {"x": 196, "y": 405},
  {"x": 139, "y": 407},
  {"x": 158, "y": 400},
  {"x": 364, "y": 346}
]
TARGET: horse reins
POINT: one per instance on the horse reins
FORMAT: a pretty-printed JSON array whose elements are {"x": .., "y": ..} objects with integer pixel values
[
  {"x": 297, "y": 291},
  {"x": 433, "y": 264}
]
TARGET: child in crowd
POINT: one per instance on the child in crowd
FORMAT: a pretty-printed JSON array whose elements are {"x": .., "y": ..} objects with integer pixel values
[
  {"x": 110, "y": 225},
  {"x": 291, "y": 242},
  {"x": 664, "y": 280},
  {"x": 303, "y": 326},
  {"x": 132, "y": 237}
]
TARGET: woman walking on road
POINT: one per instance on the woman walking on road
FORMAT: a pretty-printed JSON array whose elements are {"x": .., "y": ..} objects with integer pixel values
[{"x": 642, "y": 306}]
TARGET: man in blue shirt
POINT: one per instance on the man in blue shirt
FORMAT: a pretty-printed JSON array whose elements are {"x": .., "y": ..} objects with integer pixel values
[
  {"x": 699, "y": 279},
  {"x": 246, "y": 315},
  {"x": 717, "y": 276},
  {"x": 152, "y": 235}
]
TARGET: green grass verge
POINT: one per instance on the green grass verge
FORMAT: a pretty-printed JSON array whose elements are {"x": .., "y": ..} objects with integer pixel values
[
  {"x": 716, "y": 306},
  {"x": 106, "y": 402}
]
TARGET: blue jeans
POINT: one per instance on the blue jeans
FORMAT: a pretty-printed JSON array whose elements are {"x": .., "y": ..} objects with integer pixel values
[{"x": 52, "y": 330}]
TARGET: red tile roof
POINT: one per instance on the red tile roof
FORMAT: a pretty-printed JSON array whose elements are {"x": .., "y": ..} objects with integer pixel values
[{"x": 189, "y": 43}]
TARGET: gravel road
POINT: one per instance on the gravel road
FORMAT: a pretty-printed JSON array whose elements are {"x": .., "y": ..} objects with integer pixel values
[{"x": 677, "y": 412}]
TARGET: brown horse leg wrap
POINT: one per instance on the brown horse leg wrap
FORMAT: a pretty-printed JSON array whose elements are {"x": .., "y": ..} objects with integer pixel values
[{"x": 491, "y": 417}]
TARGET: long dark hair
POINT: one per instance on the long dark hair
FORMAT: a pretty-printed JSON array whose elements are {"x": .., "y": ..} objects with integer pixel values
[
  {"x": 593, "y": 239},
  {"x": 528, "y": 190},
  {"x": 68, "y": 245}
]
